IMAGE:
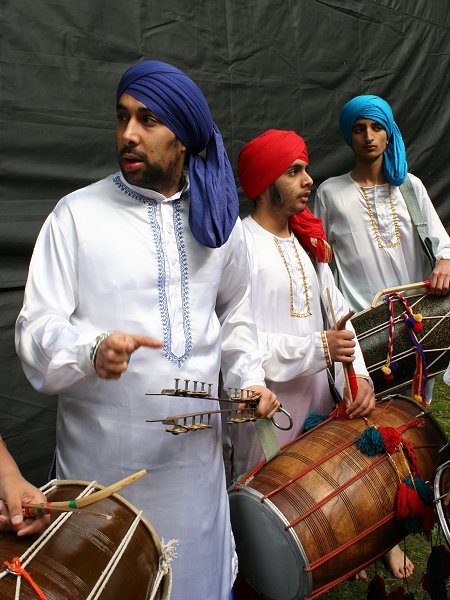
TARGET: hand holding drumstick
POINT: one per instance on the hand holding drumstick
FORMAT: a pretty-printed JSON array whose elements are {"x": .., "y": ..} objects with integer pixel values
[{"x": 359, "y": 396}]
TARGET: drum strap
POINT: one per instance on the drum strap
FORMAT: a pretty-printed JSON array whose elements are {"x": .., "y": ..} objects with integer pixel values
[
  {"x": 268, "y": 438},
  {"x": 412, "y": 204}
]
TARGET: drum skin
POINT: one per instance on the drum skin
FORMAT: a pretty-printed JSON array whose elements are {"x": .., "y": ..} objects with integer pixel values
[
  {"x": 348, "y": 531},
  {"x": 372, "y": 329},
  {"x": 442, "y": 488},
  {"x": 72, "y": 561}
]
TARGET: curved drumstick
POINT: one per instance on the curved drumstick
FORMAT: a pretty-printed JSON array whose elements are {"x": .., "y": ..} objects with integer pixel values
[
  {"x": 349, "y": 371},
  {"x": 95, "y": 497},
  {"x": 408, "y": 286}
]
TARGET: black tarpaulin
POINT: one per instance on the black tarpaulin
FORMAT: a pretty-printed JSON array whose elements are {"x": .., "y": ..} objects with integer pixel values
[{"x": 279, "y": 63}]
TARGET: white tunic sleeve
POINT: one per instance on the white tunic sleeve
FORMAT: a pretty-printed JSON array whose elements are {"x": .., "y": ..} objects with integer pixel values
[
  {"x": 241, "y": 356},
  {"x": 54, "y": 352}
]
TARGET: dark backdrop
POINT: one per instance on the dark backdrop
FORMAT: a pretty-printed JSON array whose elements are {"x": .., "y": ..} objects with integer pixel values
[{"x": 261, "y": 63}]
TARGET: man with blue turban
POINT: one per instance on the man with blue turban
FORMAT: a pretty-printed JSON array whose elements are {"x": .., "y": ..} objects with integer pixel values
[
  {"x": 367, "y": 222},
  {"x": 137, "y": 280},
  {"x": 366, "y": 218}
]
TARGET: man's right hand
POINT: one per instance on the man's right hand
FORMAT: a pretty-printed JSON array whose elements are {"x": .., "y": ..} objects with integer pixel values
[
  {"x": 113, "y": 354},
  {"x": 341, "y": 345}
]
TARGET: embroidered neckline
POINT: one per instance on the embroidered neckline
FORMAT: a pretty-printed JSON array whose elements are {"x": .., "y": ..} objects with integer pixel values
[
  {"x": 375, "y": 226},
  {"x": 161, "y": 277},
  {"x": 307, "y": 312}
]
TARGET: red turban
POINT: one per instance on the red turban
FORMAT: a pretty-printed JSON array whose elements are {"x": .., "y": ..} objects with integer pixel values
[
  {"x": 261, "y": 161},
  {"x": 266, "y": 157}
]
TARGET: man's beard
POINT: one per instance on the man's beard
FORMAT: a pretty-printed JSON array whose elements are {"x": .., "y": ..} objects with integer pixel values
[
  {"x": 275, "y": 196},
  {"x": 277, "y": 200},
  {"x": 154, "y": 177}
]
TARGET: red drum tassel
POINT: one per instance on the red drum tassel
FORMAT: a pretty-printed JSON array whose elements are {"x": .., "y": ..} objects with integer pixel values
[
  {"x": 376, "y": 589},
  {"x": 341, "y": 412},
  {"x": 398, "y": 594},
  {"x": 408, "y": 503},
  {"x": 392, "y": 438},
  {"x": 428, "y": 517},
  {"x": 438, "y": 570}
]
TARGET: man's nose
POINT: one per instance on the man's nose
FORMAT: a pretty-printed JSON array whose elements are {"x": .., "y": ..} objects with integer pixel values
[
  {"x": 368, "y": 134},
  {"x": 131, "y": 133},
  {"x": 307, "y": 180}
]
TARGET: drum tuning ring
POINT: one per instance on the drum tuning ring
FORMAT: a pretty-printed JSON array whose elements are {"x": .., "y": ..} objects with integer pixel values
[{"x": 290, "y": 422}]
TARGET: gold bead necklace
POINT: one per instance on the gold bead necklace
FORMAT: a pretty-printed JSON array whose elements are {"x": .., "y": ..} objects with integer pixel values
[
  {"x": 307, "y": 312},
  {"x": 376, "y": 229}
]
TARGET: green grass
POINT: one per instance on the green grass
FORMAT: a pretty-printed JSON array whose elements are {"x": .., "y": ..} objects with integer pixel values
[{"x": 417, "y": 546}]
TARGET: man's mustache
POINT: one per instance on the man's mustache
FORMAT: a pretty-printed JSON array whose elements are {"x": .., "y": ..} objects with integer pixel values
[{"x": 130, "y": 150}]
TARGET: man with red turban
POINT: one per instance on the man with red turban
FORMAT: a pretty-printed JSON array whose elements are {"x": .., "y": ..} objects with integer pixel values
[{"x": 286, "y": 303}]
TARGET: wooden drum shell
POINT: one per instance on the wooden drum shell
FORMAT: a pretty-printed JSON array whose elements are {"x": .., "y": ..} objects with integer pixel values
[
  {"x": 72, "y": 561},
  {"x": 358, "y": 524}
]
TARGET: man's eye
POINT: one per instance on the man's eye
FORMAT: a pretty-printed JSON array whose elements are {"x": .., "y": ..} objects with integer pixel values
[{"x": 149, "y": 120}]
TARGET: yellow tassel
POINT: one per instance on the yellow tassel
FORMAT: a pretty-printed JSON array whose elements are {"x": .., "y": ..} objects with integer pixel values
[
  {"x": 417, "y": 398},
  {"x": 386, "y": 370},
  {"x": 417, "y": 317}
]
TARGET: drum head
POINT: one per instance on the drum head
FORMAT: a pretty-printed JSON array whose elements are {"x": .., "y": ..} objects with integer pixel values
[
  {"x": 442, "y": 488},
  {"x": 271, "y": 558}
]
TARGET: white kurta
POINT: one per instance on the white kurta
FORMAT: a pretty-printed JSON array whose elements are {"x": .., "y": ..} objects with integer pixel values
[
  {"x": 294, "y": 360},
  {"x": 115, "y": 257},
  {"x": 364, "y": 269}
]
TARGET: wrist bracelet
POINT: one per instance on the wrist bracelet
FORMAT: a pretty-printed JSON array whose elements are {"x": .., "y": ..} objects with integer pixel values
[
  {"x": 368, "y": 379},
  {"x": 98, "y": 340},
  {"x": 326, "y": 350}
]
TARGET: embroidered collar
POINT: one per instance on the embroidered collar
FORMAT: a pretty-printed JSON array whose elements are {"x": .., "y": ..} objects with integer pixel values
[{"x": 146, "y": 194}]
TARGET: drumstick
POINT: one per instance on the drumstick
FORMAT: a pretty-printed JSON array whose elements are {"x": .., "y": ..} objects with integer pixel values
[
  {"x": 39, "y": 510},
  {"x": 408, "y": 286},
  {"x": 96, "y": 496},
  {"x": 348, "y": 368}
]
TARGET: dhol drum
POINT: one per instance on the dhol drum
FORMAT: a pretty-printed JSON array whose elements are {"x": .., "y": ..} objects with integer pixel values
[
  {"x": 83, "y": 556},
  {"x": 372, "y": 330},
  {"x": 322, "y": 510},
  {"x": 441, "y": 492}
]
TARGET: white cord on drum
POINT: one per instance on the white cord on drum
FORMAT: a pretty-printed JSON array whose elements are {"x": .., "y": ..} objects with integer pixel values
[
  {"x": 168, "y": 553},
  {"x": 109, "y": 570}
]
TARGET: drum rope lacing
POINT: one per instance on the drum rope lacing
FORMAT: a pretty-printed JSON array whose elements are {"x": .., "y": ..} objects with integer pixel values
[
  {"x": 32, "y": 551},
  {"x": 438, "y": 320}
]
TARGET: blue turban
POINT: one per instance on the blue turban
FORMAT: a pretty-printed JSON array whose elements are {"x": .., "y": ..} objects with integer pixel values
[
  {"x": 180, "y": 105},
  {"x": 373, "y": 107}
]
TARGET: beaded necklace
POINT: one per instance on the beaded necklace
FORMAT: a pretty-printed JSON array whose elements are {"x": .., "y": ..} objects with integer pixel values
[
  {"x": 375, "y": 227},
  {"x": 307, "y": 312}
]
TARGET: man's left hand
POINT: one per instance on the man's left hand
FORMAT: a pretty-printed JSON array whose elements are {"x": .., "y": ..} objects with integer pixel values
[
  {"x": 440, "y": 278},
  {"x": 364, "y": 403},
  {"x": 268, "y": 403}
]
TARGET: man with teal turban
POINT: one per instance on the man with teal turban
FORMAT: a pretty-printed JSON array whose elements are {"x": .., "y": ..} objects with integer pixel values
[
  {"x": 369, "y": 227},
  {"x": 365, "y": 216},
  {"x": 138, "y": 280}
]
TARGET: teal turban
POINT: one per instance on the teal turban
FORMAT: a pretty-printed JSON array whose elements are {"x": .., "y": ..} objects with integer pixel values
[{"x": 395, "y": 166}]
